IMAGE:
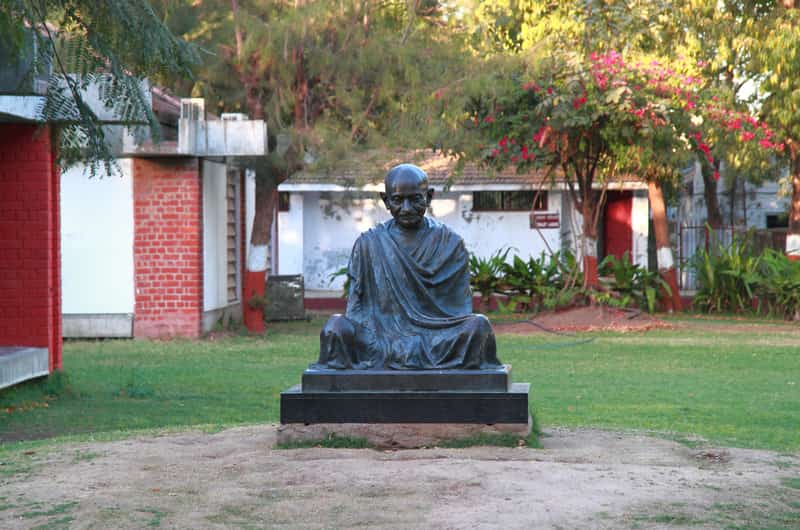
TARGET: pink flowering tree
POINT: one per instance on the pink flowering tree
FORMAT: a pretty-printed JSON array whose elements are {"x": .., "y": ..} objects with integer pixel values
[{"x": 588, "y": 121}]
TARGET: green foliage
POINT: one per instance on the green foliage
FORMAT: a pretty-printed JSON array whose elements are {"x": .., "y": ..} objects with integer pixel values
[
  {"x": 485, "y": 273},
  {"x": 732, "y": 278},
  {"x": 108, "y": 46},
  {"x": 330, "y": 79},
  {"x": 546, "y": 282},
  {"x": 343, "y": 271},
  {"x": 631, "y": 283},
  {"x": 727, "y": 278},
  {"x": 773, "y": 60},
  {"x": 779, "y": 287}
]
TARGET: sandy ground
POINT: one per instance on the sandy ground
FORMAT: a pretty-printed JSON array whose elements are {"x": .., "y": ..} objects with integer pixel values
[{"x": 236, "y": 479}]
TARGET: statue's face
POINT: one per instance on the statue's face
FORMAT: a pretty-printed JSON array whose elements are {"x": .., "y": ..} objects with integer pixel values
[{"x": 407, "y": 197}]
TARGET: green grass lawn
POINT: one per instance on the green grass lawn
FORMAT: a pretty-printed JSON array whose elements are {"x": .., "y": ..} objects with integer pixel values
[{"x": 732, "y": 382}]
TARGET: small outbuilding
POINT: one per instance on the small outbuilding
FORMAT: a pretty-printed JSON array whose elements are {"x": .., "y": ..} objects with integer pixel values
[
  {"x": 30, "y": 280},
  {"x": 321, "y": 215},
  {"x": 156, "y": 249}
]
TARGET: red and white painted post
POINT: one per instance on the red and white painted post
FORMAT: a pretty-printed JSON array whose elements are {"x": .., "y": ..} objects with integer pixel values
[
  {"x": 255, "y": 279},
  {"x": 591, "y": 277},
  {"x": 664, "y": 256}
]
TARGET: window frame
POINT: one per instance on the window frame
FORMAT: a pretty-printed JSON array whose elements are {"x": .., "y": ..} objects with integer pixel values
[{"x": 541, "y": 206}]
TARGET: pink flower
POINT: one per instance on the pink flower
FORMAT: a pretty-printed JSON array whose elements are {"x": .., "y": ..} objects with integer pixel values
[
  {"x": 514, "y": 159},
  {"x": 531, "y": 86},
  {"x": 766, "y": 144},
  {"x": 716, "y": 175},
  {"x": 578, "y": 102},
  {"x": 495, "y": 152},
  {"x": 538, "y": 137},
  {"x": 488, "y": 119},
  {"x": 549, "y": 90},
  {"x": 503, "y": 141}
]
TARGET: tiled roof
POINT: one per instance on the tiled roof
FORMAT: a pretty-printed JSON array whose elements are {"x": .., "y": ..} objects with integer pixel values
[{"x": 442, "y": 172}]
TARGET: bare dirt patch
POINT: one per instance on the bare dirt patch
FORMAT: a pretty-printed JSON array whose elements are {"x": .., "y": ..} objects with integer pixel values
[
  {"x": 236, "y": 478},
  {"x": 744, "y": 324},
  {"x": 587, "y": 318}
]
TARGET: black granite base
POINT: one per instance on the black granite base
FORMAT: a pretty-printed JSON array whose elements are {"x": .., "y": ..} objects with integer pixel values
[
  {"x": 497, "y": 380},
  {"x": 298, "y": 406}
]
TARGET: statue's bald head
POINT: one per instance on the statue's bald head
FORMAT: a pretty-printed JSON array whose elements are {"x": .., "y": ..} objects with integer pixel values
[
  {"x": 407, "y": 194},
  {"x": 408, "y": 174}
]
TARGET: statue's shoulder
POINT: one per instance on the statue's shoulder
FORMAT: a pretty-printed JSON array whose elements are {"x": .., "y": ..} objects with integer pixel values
[
  {"x": 437, "y": 226},
  {"x": 377, "y": 231}
]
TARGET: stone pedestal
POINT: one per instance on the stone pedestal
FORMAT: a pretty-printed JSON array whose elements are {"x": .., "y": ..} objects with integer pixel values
[
  {"x": 477, "y": 397},
  {"x": 399, "y": 435}
]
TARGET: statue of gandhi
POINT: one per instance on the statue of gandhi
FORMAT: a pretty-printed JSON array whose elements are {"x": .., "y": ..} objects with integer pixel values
[{"x": 409, "y": 306}]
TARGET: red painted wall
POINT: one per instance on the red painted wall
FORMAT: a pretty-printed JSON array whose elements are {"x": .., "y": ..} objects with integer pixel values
[
  {"x": 30, "y": 261},
  {"x": 617, "y": 227},
  {"x": 168, "y": 248}
]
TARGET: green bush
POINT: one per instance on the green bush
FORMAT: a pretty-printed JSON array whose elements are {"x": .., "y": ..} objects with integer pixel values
[
  {"x": 529, "y": 284},
  {"x": 629, "y": 284},
  {"x": 532, "y": 285},
  {"x": 727, "y": 278},
  {"x": 485, "y": 273},
  {"x": 779, "y": 286}
]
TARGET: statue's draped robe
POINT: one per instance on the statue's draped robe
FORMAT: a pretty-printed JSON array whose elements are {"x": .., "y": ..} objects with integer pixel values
[{"x": 409, "y": 305}]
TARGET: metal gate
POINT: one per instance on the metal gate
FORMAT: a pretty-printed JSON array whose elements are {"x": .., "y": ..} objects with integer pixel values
[{"x": 692, "y": 238}]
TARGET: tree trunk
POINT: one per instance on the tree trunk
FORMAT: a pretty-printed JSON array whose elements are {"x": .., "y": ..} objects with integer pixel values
[
  {"x": 714, "y": 216},
  {"x": 793, "y": 234},
  {"x": 589, "y": 241},
  {"x": 258, "y": 255},
  {"x": 666, "y": 263}
]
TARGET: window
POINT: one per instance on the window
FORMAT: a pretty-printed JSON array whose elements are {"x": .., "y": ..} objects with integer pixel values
[
  {"x": 778, "y": 220},
  {"x": 488, "y": 201},
  {"x": 283, "y": 201}
]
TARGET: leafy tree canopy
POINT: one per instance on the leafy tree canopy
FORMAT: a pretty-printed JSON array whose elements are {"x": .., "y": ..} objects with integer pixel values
[{"x": 111, "y": 46}]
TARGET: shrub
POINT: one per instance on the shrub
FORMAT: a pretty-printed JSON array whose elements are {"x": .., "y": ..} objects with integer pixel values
[
  {"x": 727, "y": 277},
  {"x": 630, "y": 284},
  {"x": 485, "y": 273},
  {"x": 779, "y": 287},
  {"x": 546, "y": 282}
]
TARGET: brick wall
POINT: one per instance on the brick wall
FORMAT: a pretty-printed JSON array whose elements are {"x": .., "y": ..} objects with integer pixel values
[
  {"x": 30, "y": 263},
  {"x": 168, "y": 248}
]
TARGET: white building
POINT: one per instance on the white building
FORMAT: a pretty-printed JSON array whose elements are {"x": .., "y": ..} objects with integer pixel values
[
  {"x": 157, "y": 248},
  {"x": 321, "y": 216}
]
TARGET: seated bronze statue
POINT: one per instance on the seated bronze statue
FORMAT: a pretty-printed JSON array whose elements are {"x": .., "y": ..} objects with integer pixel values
[{"x": 409, "y": 305}]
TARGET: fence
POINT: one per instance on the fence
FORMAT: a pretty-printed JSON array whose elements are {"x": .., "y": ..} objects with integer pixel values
[{"x": 691, "y": 238}]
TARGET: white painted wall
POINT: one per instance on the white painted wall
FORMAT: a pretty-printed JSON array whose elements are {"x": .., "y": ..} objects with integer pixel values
[
  {"x": 290, "y": 237},
  {"x": 97, "y": 241},
  {"x": 768, "y": 198},
  {"x": 640, "y": 216},
  {"x": 214, "y": 236},
  {"x": 249, "y": 205},
  {"x": 331, "y": 222}
]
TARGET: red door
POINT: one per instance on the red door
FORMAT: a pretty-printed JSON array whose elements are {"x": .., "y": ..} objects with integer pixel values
[{"x": 617, "y": 230}]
